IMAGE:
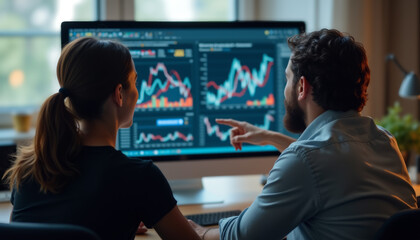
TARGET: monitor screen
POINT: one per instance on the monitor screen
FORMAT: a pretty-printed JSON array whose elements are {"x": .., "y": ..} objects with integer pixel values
[{"x": 189, "y": 74}]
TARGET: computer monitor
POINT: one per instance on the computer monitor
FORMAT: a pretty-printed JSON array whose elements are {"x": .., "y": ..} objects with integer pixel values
[{"x": 189, "y": 74}]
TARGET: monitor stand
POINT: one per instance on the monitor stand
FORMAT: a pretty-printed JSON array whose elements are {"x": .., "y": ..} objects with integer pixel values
[{"x": 191, "y": 191}]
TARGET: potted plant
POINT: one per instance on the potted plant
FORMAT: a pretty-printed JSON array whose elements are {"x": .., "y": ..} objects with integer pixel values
[{"x": 405, "y": 129}]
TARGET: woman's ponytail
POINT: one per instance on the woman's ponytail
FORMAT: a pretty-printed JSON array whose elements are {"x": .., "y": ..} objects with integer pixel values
[
  {"x": 49, "y": 160},
  {"x": 88, "y": 71}
]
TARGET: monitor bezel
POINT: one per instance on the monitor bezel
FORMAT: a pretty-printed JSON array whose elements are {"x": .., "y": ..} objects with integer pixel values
[
  {"x": 65, "y": 26},
  {"x": 300, "y": 25}
]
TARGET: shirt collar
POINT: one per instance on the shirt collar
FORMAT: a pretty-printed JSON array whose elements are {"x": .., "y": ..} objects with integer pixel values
[{"x": 325, "y": 118}]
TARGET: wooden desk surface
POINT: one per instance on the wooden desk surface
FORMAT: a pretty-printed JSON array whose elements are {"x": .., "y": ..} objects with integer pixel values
[{"x": 238, "y": 192}]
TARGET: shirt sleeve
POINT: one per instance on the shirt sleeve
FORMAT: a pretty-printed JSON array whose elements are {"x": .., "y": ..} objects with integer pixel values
[
  {"x": 288, "y": 198},
  {"x": 159, "y": 199}
]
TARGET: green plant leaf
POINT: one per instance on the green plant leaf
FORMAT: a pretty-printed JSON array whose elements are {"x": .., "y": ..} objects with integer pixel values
[{"x": 405, "y": 129}]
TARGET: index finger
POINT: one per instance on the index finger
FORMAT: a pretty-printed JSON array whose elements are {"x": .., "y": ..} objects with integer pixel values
[{"x": 229, "y": 122}]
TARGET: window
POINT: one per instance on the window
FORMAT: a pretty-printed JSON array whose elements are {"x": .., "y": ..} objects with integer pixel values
[
  {"x": 185, "y": 10},
  {"x": 30, "y": 38},
  {"x": 30, "y": 47}
]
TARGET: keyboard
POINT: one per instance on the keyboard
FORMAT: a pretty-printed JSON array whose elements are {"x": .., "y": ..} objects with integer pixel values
[{"x": 211, "y": 218}]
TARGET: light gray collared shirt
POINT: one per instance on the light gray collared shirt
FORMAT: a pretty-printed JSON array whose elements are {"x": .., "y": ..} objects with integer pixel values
[{"x": 341, "y": 179}]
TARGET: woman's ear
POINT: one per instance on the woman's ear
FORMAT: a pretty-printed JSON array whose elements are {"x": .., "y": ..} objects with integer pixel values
[{"x": 117, "y": 95}]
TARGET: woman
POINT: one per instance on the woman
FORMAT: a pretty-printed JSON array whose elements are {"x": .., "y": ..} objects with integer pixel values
[{"x": 72, "y": 172}]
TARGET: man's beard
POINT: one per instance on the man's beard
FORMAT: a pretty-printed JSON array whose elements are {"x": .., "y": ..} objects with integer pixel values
[{"x": 294, "y": 120}]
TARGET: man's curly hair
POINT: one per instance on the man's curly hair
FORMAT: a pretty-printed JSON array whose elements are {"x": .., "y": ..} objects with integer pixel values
[{"x": 335, "y": 66}]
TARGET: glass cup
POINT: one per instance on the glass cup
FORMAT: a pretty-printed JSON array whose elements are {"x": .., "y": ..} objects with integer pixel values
[{"x": 22, "y": 122}]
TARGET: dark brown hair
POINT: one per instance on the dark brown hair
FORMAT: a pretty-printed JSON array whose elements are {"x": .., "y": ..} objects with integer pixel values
[
  {"x": 335, "y": 66},
  {"x": 88, "y": 71}
]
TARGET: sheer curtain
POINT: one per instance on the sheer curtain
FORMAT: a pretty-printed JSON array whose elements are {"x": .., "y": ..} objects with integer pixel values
[{"x": 383, "y": 26}]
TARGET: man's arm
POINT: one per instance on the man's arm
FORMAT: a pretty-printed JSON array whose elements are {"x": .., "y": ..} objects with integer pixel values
[
  {"x": 289, "y": 198},
  {"x": 245, "y": 132}
]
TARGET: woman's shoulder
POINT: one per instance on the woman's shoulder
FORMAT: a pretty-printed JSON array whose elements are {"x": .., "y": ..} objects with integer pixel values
[
  {"x": 109, "y": 160},
  {"x": 108, "y": 155}
]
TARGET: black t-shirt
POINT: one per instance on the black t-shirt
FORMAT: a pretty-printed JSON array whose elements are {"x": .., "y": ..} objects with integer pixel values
[{"x": 112, "y": 194}]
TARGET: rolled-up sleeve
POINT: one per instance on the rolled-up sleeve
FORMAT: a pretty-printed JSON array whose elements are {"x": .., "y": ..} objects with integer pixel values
[{"x": 289, "y": 197}]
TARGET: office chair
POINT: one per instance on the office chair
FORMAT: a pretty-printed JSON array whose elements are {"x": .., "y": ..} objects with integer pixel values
[
  {"x": 45, "y": 231},
  {"x": 402, "y": 225}
]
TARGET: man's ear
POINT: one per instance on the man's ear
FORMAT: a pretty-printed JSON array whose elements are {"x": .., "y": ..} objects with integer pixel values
[
  {"x": 303, "y": 88},
  {"x": 117, "y": 95}
]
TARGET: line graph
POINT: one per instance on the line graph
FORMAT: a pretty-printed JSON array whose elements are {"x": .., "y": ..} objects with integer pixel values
[
  {"x": 152, "y": 132},
  {"x": 149, "y": 137},
  {"x": 212, "y": 129},
  {"x": 243, "y": 84},
  {"x": 164, "y": 86}
]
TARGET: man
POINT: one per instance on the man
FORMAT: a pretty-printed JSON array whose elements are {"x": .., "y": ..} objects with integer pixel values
[{"x": 344, "y": 176}]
